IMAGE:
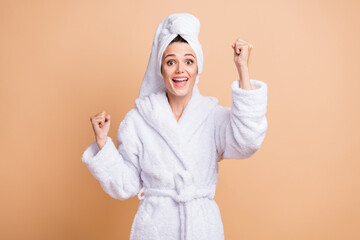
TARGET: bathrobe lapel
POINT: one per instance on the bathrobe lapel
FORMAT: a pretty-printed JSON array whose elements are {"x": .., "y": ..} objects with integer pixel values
[
  {"x": 156, "y": 111},
  {"x": 194, "y": 115}
]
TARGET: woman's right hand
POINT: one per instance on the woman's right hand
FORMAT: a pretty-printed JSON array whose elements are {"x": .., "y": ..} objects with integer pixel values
[{"x": 101, "y": 125}]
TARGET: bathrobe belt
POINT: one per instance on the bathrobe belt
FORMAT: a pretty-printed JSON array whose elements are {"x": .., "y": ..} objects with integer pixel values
[{"x": 184, "y": 192}]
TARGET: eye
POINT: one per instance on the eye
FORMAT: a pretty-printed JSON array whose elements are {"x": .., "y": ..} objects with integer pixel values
[
  {"x": 170, "y": 62},
  {"x": 189, "y": 61}
]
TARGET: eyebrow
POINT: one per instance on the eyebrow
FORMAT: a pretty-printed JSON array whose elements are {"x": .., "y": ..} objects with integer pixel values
[{"x": 186, "y": 54}]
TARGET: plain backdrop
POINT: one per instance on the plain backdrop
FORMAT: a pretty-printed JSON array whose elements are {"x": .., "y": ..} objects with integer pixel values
[{"x": 63, "y": 61}]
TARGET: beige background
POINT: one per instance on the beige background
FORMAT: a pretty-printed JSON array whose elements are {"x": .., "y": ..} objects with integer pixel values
[{"x": 62, "y": 61}]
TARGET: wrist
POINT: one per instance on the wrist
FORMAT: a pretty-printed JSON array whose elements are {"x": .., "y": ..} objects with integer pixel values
[
  {"x": 242, "y": 67},
  {"x": 244, "y": 80},
  {"x": 101, "y": 140}
]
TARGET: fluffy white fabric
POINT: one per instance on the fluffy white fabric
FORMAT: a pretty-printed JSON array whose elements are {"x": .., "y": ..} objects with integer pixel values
[{"x": 175, "y": 163}]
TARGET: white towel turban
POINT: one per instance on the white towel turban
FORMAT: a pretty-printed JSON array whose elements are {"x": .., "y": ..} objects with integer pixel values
[{"x": 183, "y": 24}]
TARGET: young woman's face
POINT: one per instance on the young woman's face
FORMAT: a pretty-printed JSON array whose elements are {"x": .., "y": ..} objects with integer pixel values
[{"x": 179, "y": 69}]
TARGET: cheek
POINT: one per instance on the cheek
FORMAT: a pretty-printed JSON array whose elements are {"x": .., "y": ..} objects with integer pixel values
[
  {"x": 194, "y": 71},
  {"x": 164, "y": 73}
]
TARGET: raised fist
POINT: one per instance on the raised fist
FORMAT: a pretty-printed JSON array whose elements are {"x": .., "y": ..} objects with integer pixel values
[
  {"x": 101, "y": 125},
  {"x": 242, "y": 51}
]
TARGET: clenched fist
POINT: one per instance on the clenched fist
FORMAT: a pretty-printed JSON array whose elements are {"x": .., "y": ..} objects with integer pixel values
[
  {"x": 101, "y": 125},
  {"x": 242, "y": 51}
]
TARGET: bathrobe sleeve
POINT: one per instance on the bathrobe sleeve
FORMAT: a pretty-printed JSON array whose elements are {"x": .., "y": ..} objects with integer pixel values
[
  {"x": 117, "y": 169},
  {"x": 240, "y": 129}
]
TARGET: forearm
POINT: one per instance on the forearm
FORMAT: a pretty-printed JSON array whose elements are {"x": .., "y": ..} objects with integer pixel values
[
  {"x": 244, "y": 77},
  {"x": 240, "y": 130},
  {"x": 115, "y": 169}
]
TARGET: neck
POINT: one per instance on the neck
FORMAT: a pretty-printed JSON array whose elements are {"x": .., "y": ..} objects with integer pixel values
[{"x": 178, "y": 104}]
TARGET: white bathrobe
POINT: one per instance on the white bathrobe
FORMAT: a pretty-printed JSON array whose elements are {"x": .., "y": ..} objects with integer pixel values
[{"x": 173, "y": 166}]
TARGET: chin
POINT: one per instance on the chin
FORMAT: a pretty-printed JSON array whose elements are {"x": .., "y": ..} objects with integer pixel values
[{"x": 180, "y": 92}]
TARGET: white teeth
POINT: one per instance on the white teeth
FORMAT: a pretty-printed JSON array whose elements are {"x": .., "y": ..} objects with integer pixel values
[{"x": 180, "y": 79}]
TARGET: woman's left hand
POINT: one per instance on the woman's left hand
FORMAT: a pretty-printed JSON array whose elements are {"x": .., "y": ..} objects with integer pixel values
[{"x": 242, "y": 51}]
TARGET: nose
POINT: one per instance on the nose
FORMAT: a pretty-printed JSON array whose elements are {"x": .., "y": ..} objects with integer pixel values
[{"x": 180, "y": 68}]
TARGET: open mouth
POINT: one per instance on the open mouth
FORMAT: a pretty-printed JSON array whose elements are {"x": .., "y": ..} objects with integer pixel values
[{"x": 180, "y": 82}]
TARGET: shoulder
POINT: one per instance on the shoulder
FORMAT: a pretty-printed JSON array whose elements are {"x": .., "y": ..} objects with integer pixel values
[
  {"x": 131, "y": 116},
  {"x": 207, "y": 103},
  {"x": 221, "y": 113},
  {"x": 128, "y": 126},
  {"x": 131, "y": 120},
  {"x": 216, "y": 113}
]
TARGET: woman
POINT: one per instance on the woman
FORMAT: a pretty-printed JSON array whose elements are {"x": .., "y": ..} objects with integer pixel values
[{"x": 169, "y": 145}]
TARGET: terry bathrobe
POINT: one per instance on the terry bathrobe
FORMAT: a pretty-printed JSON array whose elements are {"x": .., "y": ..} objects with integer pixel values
[{"x": 172, "y": 166}]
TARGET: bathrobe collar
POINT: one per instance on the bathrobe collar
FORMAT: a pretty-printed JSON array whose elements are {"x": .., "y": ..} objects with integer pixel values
[{"x": 156, "y": 111}]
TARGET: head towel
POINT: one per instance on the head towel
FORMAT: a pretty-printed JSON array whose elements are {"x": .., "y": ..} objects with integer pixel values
[{"x": 183, "y": 24}]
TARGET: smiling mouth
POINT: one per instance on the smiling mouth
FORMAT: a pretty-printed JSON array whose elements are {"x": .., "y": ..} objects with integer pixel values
[{"x": 180, "y": 82}]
